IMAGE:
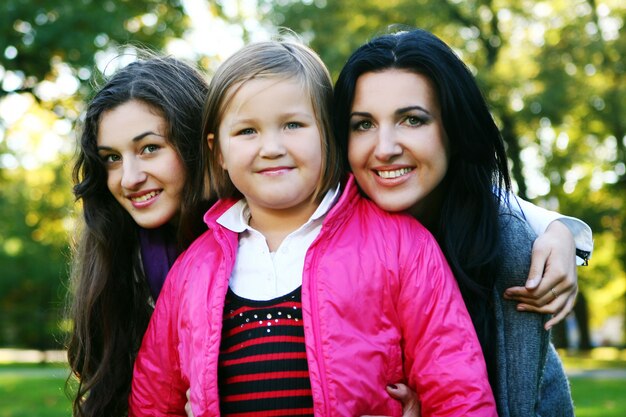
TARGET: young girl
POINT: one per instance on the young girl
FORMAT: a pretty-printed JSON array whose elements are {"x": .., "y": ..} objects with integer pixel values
[
  {"x": 301, "y": 299},
  {"x": 142, "y": 202},
  {"x": 419, "y": 138}
]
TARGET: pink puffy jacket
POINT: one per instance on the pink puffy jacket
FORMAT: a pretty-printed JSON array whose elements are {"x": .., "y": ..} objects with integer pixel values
[{"x": 380, "y": 306}]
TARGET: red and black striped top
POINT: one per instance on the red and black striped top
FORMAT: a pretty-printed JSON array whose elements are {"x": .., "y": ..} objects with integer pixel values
[{"x": 263, "y": 369}]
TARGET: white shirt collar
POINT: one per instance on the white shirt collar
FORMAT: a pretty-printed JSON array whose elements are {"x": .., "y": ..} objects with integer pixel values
[{"x": 237, "y": 218}]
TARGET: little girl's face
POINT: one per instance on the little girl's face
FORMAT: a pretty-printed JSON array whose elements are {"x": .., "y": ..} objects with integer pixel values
[{"x": 270, "y": 144}]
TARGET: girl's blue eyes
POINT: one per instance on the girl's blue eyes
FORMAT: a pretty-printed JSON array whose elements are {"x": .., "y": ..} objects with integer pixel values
[
  {"x": 248, "y": 131},
  {"x": 252, "y": 131}
]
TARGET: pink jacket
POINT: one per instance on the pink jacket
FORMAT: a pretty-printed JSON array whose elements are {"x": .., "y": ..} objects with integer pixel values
[{"x": 380, "y": 306}]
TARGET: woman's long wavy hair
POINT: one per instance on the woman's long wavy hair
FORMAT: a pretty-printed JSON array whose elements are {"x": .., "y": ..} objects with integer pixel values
[
  {"x": 466, "y": 224},
  {"x": 110, "y": 303}
]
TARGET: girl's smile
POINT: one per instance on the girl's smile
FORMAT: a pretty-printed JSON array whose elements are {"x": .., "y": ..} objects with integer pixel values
[{"x": 270, "y": 145}]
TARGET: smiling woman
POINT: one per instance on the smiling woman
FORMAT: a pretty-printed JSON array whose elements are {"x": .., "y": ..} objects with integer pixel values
[
  {"x": 142, "y": 201},
  {"x": 145, "y": 173},
  {"x": 420, "y": 138},
  {"x": 406, "y": 120}
]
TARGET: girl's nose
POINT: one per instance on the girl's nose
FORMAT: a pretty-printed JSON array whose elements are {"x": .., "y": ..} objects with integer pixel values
[{"x": 272, "y": 145}]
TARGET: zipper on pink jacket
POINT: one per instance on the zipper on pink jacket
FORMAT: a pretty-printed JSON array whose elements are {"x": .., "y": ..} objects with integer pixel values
[
  {"x": 316, "y": 329},
  {"x": 313, "y": 250},
  {"x": 228, "y": 258}
]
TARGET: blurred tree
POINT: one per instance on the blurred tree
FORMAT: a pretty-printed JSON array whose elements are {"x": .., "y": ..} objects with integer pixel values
[
  {"x": 553, "y": 73},
  {"x": 37, "y": 37},
  {"x": 576, "y": 109},
  {"x": 52, "y": 55},
  {"x": 35, "y": 198},
  {"x": 33, "y": 256},
  {"x": 49, "y": 52}
]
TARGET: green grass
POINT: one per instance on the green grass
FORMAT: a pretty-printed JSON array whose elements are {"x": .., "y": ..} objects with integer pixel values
[
  {"x": 26, "y": 392},
  {"x": 599, "y": 397},
  {"x": 6, "y": 367},
  {"x": 38, "y": 390}
]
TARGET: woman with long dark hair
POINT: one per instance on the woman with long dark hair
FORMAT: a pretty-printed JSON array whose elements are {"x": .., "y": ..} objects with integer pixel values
[
  {"x": 419, "y": 137},
  {"x": 142, "y": 203}
]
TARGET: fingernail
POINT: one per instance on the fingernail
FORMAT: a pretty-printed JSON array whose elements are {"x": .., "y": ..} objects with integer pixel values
[
  {"x": 393, "y": 386},
  {"x": 521, "y": 308},
  {"x": 533, "y": 282}
]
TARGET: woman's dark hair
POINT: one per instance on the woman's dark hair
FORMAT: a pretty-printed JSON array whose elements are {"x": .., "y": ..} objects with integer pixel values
[
  {"x": 110, "y": 304},
  {"x": 467, "y": 222}
]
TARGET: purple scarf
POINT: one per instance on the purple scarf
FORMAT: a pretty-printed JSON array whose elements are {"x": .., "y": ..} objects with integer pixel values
[{"x": 158, "y": 253}]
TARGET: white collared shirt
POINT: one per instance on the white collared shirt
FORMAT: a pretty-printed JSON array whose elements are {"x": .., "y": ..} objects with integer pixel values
[{"x": 263, "y": 275}]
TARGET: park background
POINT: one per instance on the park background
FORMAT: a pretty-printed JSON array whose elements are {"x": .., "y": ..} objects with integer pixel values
[{"x": 552, "y": 71}]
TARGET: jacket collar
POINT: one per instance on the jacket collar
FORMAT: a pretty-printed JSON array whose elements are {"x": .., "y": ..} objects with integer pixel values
[
  {"x": 344, "y": 207},
  {"x": 214, "y": 213},
  {"x": 339, "y": 213}
]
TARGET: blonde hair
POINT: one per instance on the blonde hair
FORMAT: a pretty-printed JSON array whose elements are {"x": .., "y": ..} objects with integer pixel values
[{"x": 285, "y": 59}]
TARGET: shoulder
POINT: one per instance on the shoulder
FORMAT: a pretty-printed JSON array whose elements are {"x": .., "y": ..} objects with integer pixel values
[
  {"x": 201, "y": 259},
  {"x": 205, "y": 250},
  {"x": 516, "y": 242},
  {"x": 514, "y": 229},
  {"x": 400, "y": 236},
  {"x": 400, "y": 223},
  {"x": 353, "y": 208}
]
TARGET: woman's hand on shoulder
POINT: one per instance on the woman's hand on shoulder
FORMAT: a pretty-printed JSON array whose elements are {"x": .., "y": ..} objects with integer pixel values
[
  {"x": 408, "y": 398},
  {"x": 552, "y": 282}
]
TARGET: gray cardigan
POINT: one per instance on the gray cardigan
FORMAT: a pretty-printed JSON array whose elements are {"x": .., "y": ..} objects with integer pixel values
[{"x": 530, "y": 379}]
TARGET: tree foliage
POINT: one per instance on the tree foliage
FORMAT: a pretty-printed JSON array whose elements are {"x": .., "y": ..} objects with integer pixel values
[
  {"x": 33, "y": 256},
  {"x": 553, "y": 73},
  {"x": 37, "y": 36},
  {"x": 49, "y": 58}
]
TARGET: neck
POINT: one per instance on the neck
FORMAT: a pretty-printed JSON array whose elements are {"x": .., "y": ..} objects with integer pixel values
[
  {"x": 428, "y": 210},
  {"x": 275, "y": 225}
]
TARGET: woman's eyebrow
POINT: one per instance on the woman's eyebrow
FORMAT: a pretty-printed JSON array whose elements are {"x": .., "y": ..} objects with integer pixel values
[
  {"x": 135, "y": 139},
  {"x": 399, "y": 111},
  {"x": 144, "y": 134},
  {"x": 410, "y": 108},
  {"x": 360, "y": 114}
]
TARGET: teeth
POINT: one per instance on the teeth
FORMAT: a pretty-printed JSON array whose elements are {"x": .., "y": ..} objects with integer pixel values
[
  {"x": 145, "y": 197},
  {"x": 395, "y": 173}
]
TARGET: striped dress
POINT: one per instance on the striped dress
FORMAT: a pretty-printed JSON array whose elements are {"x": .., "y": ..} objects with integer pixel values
[{"x": 263, "y": 369}]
